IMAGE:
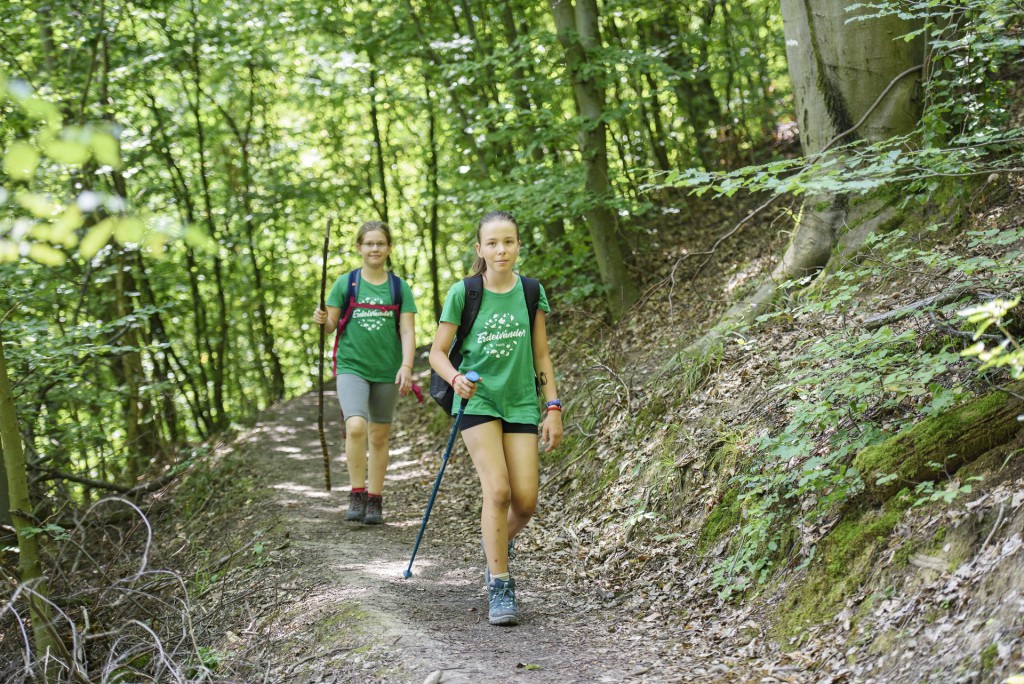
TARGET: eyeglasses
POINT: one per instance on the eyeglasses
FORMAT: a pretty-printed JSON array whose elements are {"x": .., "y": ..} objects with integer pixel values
[{"x": 375, "y": 245}]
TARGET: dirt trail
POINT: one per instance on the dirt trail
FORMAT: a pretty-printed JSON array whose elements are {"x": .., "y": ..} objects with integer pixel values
[{"x": 331, "y": 605}]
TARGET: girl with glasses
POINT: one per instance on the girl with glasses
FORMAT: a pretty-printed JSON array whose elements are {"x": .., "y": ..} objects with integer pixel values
[{"x": 373, "y": 356}]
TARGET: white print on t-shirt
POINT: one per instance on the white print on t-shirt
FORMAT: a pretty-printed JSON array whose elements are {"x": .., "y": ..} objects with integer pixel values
[
  {"x": 500, "y": 336},
  {"x": 372, "y": 320}
]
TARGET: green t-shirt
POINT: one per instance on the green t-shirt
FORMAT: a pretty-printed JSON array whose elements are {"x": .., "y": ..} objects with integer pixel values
[
  {"x": 499, "y": 348},
  {"x": 370, "y": 346}
]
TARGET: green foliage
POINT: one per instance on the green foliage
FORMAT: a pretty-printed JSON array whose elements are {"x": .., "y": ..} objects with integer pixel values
[
  {"x": 849, "y": 391},
  {"x": 927, "y": 493},
  {"x": 54, "y": 532},
  {"x": 1007, "y": 352},
  {"x": 41, "y": 225},
  {"x": 965, "y": 129}
]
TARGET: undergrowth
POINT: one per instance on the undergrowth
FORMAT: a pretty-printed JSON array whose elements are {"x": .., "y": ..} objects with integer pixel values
[{"x": 851, "y": 387}]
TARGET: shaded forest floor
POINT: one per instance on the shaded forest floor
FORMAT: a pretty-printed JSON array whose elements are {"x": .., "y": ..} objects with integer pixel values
[{"x": 325, "y": 601}]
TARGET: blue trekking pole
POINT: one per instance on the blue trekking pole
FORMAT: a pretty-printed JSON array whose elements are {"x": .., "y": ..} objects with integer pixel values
[{"x": 474, "y": 377}]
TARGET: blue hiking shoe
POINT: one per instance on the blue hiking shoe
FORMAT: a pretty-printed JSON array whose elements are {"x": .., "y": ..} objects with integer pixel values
[{"x": 501, "y": 599}]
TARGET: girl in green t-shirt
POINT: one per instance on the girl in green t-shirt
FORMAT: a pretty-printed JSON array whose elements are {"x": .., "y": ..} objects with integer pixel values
[
  {"x": 501, "y": 417},
  {"x": 373, "y": 365}
]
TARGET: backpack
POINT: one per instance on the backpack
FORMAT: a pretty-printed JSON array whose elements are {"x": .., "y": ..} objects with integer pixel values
[
  {"x": 351, "y": 303},
  {"x": 440, "y": 390}
]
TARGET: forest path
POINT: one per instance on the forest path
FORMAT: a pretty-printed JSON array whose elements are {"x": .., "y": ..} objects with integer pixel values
[{"x": 332, "y": 605}]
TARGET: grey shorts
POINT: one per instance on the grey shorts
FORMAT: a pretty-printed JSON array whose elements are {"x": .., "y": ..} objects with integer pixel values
[{"x": 373, "y": 401}]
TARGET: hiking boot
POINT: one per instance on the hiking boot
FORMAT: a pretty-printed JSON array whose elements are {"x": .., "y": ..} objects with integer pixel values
[
  {"x": 374, "y": 510},
  {"x": 356, "y": 506},
  {"x": 501, "y": 598}
]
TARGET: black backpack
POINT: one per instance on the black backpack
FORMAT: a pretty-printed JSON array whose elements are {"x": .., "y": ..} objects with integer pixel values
[
  {"x": 440, "y": 390},
  {"x": 351, "y": 303}
]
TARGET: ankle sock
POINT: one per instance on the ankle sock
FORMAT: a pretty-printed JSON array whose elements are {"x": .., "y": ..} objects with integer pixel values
[
  {"x": 504, "y": 576},
  {"x": 359, "y": 490}
]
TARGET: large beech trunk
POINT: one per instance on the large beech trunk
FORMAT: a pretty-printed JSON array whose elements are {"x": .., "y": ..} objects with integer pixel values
[{"x": 839, "y": 69}]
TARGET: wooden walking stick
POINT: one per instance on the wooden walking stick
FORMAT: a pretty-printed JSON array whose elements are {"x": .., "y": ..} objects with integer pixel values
[{"x": 320, "y": 371}]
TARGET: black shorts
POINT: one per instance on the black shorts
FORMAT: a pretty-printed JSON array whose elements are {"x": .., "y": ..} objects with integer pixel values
[{"x": 469, "y": 420}]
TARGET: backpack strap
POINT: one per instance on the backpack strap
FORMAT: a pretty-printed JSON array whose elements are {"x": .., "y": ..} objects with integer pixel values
[
  {"x": 471, "y": 308},
  {"x": 396, "y": 299},
  {"x": 531, "y": 290},
  {"x": 348, "y": 305}
]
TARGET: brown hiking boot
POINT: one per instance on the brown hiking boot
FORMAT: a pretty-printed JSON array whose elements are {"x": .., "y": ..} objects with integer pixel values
[
  {"x": 356, "y": 506},
  {"x": 374, "y": 510}
]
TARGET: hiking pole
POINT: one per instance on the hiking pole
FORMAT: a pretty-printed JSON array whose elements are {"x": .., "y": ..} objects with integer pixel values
[
  {"x": 472, "y": 376},
  {"x": 320, "y": 368}
]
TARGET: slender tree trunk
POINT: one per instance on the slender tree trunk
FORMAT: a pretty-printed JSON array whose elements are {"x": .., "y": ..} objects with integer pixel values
[
  {"x": 692, "y": 83},
  {"x": 138, "y": 439},
  {"x": 435, "y": 194},
  {"x": 659, "y": 136},
  {"x": 578, "y": 33},
  {"x": 268, "y": 347},
  {"x": 201, "y": 404},
  {"x": 142, "y": 438},
  {"x": 30, "y": 569},
  {"x": 465, "y": 120},
  {"x": 156, "y": 339},
  {"x": 378, "y": 146},
  {"x": 220, "y": 330}
]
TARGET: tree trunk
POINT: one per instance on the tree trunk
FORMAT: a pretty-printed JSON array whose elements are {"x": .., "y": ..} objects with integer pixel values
[
  {"x": 578, "y": 33},
  {"x": 435, "y": 195},
  {"x": 378, "y": 145},
  {"x": 465, "y": 118},
  {"x": 245, "y": 193},
  {"x": 839, "y": 70},
  {"x": 692, "y": 83},
  {"x": 220, "y": 329},
  {"x": 20, "y": 506},
  {"x": 951, "y": 439}
]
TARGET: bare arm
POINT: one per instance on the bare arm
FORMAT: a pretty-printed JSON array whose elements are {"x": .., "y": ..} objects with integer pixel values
[
  {"x": 439, "y": 349},
  {"x": 407, "y": 333},
  {"x": 330, "y": 318},
  {"x": 551, "y": 426}
]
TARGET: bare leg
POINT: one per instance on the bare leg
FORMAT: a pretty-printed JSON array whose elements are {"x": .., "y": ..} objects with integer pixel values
[
  {"x": 487, "y": 450},
  {"x": 523, "y": 478},
  {"x": 355, "y": 451},
  {"x": 379, "y": 436}
]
